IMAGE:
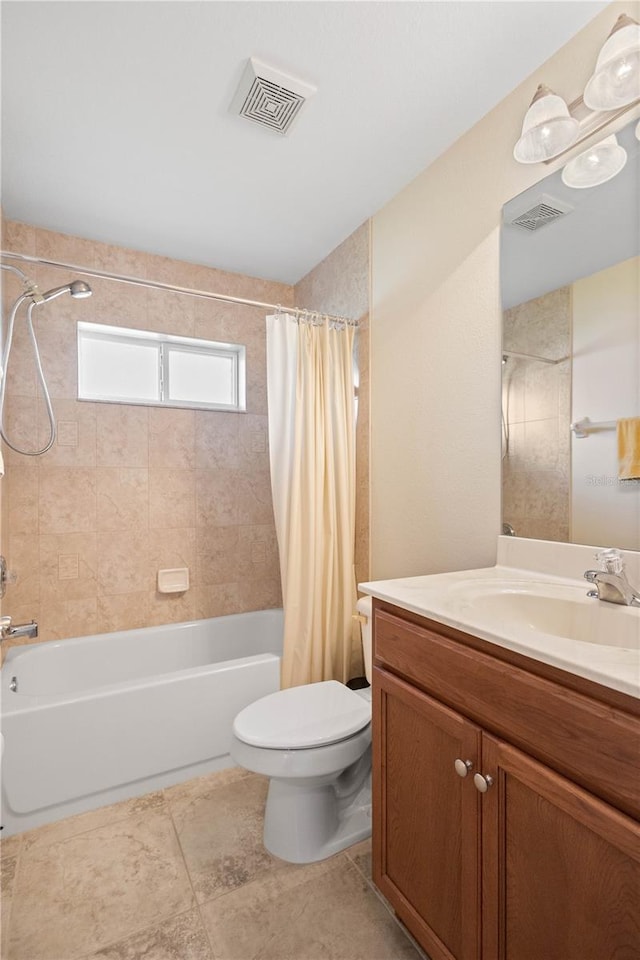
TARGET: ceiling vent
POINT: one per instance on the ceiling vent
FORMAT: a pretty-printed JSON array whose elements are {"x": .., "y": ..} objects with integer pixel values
[
  {"x": 545, "y": 211},
  {"x": 269, "y": 97}
]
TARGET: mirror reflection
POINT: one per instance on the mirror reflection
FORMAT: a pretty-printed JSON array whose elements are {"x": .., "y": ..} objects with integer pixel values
[{"x": 570, "y": 279}]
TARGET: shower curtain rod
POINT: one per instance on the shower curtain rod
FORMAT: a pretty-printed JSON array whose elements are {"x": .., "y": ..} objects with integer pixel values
[{"x": 298, "y": 312}]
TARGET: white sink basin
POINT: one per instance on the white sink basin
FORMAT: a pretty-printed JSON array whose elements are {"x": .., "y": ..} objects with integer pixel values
[{"x": 547, "y": 608}]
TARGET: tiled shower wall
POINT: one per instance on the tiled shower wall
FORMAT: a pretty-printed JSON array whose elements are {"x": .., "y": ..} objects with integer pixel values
[
  {"x": 128, "y": 490},
  {"x": 536, "y": 401},
  {"x": 340, "y": 285}
]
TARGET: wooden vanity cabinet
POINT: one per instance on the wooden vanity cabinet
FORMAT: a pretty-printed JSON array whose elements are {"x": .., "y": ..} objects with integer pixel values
[{"x": 536, "y": 867}]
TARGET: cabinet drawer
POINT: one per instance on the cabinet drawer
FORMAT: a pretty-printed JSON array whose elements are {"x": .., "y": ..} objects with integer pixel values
[{"x": 596, "y": 745}]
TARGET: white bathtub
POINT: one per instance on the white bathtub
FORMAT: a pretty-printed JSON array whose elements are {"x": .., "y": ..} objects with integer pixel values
[{"x": 95, "y": 720}]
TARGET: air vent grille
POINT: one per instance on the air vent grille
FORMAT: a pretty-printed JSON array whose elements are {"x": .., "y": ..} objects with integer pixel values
[
  {"x": 269, "y": 97},
  {"x": 271, "y": 105},
  {"x": 545, "y": 211}
]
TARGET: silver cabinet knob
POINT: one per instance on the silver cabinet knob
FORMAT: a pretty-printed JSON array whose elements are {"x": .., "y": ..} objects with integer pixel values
[
  {"x": 482, "y": 783},
  {"x": 463, "y": 767}
]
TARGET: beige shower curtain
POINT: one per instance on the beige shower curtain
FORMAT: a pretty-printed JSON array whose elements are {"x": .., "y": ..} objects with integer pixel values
[{"x": 312, "y": 452}]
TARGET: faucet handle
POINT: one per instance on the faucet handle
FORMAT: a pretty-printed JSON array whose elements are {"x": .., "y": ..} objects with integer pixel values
[{"x": 611, "y": 560}]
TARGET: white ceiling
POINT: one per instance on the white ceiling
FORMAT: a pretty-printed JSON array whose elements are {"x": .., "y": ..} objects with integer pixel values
[{"x": 116, "y": 122}]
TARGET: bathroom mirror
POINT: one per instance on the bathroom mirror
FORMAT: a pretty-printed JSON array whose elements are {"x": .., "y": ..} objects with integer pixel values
[{"x": 570, "y": 282}]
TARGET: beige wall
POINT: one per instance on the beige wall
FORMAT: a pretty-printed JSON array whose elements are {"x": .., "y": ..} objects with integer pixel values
[
  {"x": 340, "y": 285},
  {"x": 536, "y": 405},
  {"x": 436, "y": 331},
  {"x": 128, "y": 490}
]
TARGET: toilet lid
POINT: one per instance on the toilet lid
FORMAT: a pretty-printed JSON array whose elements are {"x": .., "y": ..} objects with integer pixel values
[{"x": 307, "y": 716}]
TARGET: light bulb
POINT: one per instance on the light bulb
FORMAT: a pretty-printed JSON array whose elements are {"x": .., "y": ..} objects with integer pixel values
[
  {"x": 599, "y": 163},
  {"x": 616, "y": 78},
  {"x": 548, "y": 128}
]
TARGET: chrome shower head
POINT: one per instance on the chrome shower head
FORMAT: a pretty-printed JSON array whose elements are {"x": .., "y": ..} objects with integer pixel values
[{"x": 77, "y": 288}]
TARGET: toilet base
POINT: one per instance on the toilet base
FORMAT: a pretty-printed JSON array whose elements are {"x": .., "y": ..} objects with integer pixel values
[{"x": 310, "y": 820}]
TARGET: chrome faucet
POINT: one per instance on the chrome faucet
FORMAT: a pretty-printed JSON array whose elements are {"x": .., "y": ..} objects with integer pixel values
[
  {"x": 611, "y": 581},
  {"x": 9, "y": 631}
]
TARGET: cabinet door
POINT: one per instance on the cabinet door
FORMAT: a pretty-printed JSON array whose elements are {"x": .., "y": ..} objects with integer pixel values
[
  {"x": 426, "y": 829},
  {"x": 561, "y": 869}
]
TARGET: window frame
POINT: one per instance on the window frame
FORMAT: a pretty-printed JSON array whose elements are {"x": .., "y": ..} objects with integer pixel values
[{"x": 164, "y": 342}]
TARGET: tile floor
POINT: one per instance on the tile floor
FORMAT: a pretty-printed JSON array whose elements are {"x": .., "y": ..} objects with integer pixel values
[{"x": 181, "y": 874}]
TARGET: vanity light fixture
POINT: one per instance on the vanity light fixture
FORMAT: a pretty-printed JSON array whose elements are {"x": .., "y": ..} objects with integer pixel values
[
  {"x": 599, "y": 163},
  {"x": 616, "y": 78},
  {"x": 548, "y": 128},
  {"x": 551, "y": 127}
]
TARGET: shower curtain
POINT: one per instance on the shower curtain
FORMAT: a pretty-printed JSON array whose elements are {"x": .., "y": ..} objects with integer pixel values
[{"x": 312, "y": 456}]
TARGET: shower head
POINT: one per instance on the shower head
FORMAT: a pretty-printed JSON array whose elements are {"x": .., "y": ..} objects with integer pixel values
[{"x": 77, "y": 288}]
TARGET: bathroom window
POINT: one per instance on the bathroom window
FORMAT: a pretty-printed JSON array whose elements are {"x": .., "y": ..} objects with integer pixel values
[{"x": 119, "y": 365}]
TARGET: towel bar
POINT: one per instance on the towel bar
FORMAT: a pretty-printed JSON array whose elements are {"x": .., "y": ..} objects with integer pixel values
[{"x": 582, "y": 428}]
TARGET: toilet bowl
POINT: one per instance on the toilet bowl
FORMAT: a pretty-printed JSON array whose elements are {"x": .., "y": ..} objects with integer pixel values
[{"x": 314, "y": 743}]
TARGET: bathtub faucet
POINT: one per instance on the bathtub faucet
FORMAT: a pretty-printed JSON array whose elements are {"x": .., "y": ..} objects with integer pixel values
[{"x": 9, "y": 632}]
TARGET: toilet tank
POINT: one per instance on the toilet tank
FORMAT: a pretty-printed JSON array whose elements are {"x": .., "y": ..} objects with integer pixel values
[{"x": 364, "y": 607}]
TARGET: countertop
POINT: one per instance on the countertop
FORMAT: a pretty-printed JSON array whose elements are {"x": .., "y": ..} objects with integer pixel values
[{"x": 448, "y": 599}]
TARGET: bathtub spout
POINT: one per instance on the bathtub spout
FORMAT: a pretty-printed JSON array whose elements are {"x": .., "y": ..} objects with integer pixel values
[{"x": 9, "y": 631}]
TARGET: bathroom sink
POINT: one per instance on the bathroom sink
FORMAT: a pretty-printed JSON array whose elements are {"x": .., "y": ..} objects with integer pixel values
[{"x": 552, "y": 609}]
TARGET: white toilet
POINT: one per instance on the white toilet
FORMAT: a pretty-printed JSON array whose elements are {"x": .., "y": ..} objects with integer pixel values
[{"x": 314, "y": 742}]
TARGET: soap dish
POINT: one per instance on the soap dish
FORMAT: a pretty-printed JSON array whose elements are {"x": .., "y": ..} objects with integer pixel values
[{"x": 173, "y": 581}]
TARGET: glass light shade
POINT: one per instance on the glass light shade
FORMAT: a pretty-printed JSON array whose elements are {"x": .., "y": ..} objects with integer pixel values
[
  {"x": 597, "y": 165},
  {"x": 548, "y": 129},
  {"x": 616, "y": 78}
]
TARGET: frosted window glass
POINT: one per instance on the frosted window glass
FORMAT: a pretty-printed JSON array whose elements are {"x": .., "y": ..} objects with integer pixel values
[
  {"x": 202, "y": 378},
  {"x": 118, "y": 370}
]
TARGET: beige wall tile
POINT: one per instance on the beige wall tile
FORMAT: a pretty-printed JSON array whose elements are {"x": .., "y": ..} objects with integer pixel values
[
  {"x": 217, "y": 444},
  {"x": 75, "y": 443},
  {"x": 255, "y": 503},
  {"x": 123, "y": 563},
  {"x": 68, "y": 618},
  {"x": 216, "y": 497},
  {"x": 21, "y": 369},
  {"x": 253, "y": 443},
  {"x": 122, "y": 498},
  {"x": 172, "y": 437},
  {"x": 112, "y": 259},
  {"x": 67, "y": 500},
  {"x": 217, "y": 600},
  {"x": 68, "y": 566},
  {"x": 170, "y": 313},
  {"x": 259, "y": 594},
  {"x": 170, "y": 548},
  {"x": 59, "y": 349},
  {"x": 171, "y": 607},
  {"x": 18, "y": 237},
  {"x": 21, "y": 487},
  {"x": 62, "y": 246},
  {"x": 23, "y": 558},
  {"x": 125, "y": 488},
  {"x": 122, "y": 435},
  {"x": 258, "y": 557},
  {"x": 21, "y": 426},
  {"x": 119, "y": 305},
  {"x": 126, "y": 611},
  {"x": 218, "y": 555},
  {"x": 172, "y": 498}
]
